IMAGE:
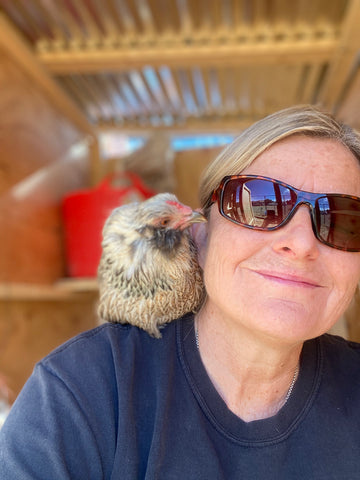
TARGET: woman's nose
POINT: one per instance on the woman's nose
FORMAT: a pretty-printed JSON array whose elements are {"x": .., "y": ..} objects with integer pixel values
[{"x": 297, "y": 238}]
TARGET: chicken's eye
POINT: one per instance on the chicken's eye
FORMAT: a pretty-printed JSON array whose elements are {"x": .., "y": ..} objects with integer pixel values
[{"x": 164, "y": 222}]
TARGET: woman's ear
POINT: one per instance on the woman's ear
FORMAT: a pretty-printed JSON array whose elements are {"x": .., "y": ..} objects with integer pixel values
[{"x": 199, "y": 233}]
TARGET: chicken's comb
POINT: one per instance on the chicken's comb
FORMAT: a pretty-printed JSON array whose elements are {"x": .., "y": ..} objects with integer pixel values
[{"x": 182, "y": 208}]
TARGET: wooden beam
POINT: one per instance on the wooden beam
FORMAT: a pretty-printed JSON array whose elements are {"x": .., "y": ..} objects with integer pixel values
[
  {"x": 60, "y": 291},
  {"x": 92, "y": 60},
  {"x": 192, "y": 126},
  {"x": 17, "y": 49},
  {"x": 343, "y": 59}
]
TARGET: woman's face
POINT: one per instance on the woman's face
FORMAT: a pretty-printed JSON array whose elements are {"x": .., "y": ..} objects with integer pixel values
[{"x": 285, "y": 283}]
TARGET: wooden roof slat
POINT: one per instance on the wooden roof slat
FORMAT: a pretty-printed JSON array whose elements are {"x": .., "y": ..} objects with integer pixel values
[
  {"x": 227, "y": 15},
  {"x": 124, "y": 108},
  {"x": 168, "y": 110},
  {"x": 104, "y": 93},
  {"x": 229, "y": 91},
  {"x": 155, "y": 86},
  {"x": 78, "y": 94},
  {"x": 309, "y": 80},
  {"x": 258, "y": 13},
  {"x": 205, "y": 76},
  {"x": 129, "y": 94},
  {"x": 146, "y": 17},
  {"x": 36, "y": 11},
  {"x": 334, "y": 11},
  {"x": 15, "y": 15},
  {"x": 200, "y": 90},
  {"x": 76, "y": 34},
  {"x": 105, "y": 17},
  {"x": 243, "y": 92},
  {"x": 187, "y": 92},
  {"x": 89, "y": 91},
  {"x": 59, "y": 30},
  {"x": 120, "y": 108},
  {"x": 344, "y": 57},
  {"x": 218, "y": 21},
  {"x": 103, "y": 96},
  {"x": 307, "y": 11},
  {"x": 256, "y": 96},
  {"x": 221, "y": 80},
  {"x": 242, "y": 26},
  {"x": 166, "y": 20},
  {"x": 237, "y": 78},
  {"x": 125, "y": 17},
  {"x": 155, "y": 16},
  {"x": 142, "y": 89},
  {"x": 291, "y": 78},
  {"x": 33, "y": 29},
  {"x": 156, "y": 62},
  {"x": 186, "y": 22},
  {"x": 350, "y": 108},
  {"x": 215, "y": 10},
  {"x": 203, "y": 20},
  {"x": 92, "y": 30},
  {"x": 112, "y": 23},
  {"x": 214, "y": 91},
  {"x": 171, "y": 88},
  {"x": 304, "y": 18}
]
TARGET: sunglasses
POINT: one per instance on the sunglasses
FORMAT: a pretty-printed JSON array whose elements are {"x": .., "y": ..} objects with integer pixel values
[{"x": 262, "y": 203}]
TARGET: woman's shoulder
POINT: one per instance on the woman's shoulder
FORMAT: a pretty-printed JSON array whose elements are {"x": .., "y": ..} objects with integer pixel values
[
  {"x": 108, "y": 346},
  {"x": 94, "y": 339},
  {"x": 336, "y": 342},
  {"x": 341, "y": 353}
]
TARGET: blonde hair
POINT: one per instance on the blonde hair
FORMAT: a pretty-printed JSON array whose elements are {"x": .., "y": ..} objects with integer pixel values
[{"x": 298, "y": 120}]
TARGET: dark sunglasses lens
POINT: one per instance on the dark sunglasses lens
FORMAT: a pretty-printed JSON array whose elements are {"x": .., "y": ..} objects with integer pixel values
[
  {"x": 338, "y": 221},
  {"x": 257, "y": 203}
]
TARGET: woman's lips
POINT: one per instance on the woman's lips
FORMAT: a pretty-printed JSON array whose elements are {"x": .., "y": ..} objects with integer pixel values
[{"x": 289, "y": 279}]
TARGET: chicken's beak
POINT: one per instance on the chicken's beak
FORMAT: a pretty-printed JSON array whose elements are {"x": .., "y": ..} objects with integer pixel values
[{"x": 194, "y": 217}]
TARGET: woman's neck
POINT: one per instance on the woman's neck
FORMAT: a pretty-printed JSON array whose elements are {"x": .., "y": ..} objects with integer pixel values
[{"x": 252, "y": 374}]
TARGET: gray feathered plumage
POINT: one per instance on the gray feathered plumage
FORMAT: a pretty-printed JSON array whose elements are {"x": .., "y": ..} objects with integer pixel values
[{"x": 148, "y": 272}]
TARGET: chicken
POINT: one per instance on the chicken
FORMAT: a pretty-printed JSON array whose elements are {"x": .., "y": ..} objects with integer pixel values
[{"x": 148, "y": 272}]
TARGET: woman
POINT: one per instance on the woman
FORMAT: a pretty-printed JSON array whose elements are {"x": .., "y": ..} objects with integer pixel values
[
  {"x": 269, "y": 291},
  {"x": 251, "y": 388}
]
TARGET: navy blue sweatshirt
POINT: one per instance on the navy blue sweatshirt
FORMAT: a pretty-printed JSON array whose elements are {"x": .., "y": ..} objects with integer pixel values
[{"x": 114, "y": 403}]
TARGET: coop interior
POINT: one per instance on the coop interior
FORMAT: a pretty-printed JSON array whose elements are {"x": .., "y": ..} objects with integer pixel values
[{"x": 96, "y": 96}]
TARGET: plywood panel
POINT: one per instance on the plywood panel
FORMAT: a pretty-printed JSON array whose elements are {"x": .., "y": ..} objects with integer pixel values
[
  {"x": 31, "y": 223},
  {"x": 31, "y": 246},
  {"x": 352, "y": 317},
  {"x": 29, "y": 330},
  {"x": 42, "y": 157},
  {"x": 189, "y": 165},
  {"x": 32, "y": 132},
  {"x": 350, "y": 108}
]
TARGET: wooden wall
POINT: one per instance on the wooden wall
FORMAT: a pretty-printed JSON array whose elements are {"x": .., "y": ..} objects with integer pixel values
[
  {"x": 32, "y": 327},
  {"x": 32, "y": 134},
  {"x": 188, "y": 165},
  {"x": 42, "y": 157},
  {"x": 37, "y": 166},
  {"x": 352, "y": 317}
]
